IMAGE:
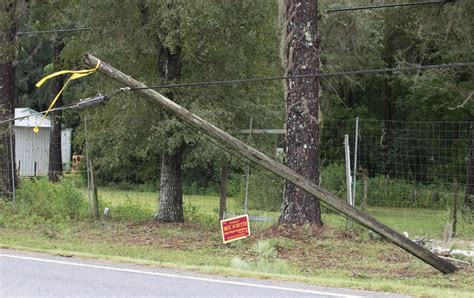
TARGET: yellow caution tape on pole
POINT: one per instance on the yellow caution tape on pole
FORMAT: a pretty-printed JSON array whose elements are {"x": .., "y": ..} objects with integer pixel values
[{"x": 76, "y": 74}]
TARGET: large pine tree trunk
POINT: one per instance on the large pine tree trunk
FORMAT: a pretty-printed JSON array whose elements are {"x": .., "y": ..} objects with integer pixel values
[
  {"x": 170, "y": 206},
  {"x": 55, "y": 159},
  {"x": 7, "y": 93},
  {"x": 300, "y": 45}
]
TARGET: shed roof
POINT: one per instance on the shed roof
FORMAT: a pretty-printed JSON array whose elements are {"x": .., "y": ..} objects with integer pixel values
[{"x": 31, "y": 118}]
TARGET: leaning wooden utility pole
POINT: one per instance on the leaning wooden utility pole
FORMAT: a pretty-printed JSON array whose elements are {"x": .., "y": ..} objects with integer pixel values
[{"x": 266, "y": 162}]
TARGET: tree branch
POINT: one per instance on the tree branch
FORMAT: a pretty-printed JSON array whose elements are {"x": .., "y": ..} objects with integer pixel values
[{"x": 468, "y": 98}]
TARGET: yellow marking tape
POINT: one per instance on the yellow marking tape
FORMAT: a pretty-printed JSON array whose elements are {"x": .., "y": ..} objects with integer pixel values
[{"x": 76, "y": 74}]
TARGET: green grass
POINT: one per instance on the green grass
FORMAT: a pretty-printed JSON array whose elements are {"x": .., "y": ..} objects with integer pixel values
[
  {"x": 325, "y": 258},
  {"x": 330, "y": 256},
  {"x": 417, "y": 222}
]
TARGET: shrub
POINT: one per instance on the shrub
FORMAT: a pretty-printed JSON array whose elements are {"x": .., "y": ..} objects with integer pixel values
[
  {"x": 208, "y": 219},
  {"x": 50, "y": 200},
  {"x": 131, "y": 211}
]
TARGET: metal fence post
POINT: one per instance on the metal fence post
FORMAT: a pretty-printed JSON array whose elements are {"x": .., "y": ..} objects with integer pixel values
[
  {"x": 354, "y": 177},
  {"x": 247, "y": 175},
  {"x": 87, "y": 167},
  {"x": 348, "y": 176}
]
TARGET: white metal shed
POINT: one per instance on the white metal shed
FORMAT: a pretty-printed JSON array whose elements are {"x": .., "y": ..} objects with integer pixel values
[{"x": 32, "y": 150}]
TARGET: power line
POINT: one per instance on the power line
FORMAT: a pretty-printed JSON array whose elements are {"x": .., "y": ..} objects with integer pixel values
[
  {"x": 80, "y": 105},
  {"x": 441, "y": 2},
  {"x": 55, "y": 31},
  {"x": 313, "y": 75}
]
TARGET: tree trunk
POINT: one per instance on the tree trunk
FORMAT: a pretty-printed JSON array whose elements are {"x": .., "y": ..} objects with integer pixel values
[
  {"x": 469, "y": 196},
  {"x": 388, "y": 58},
  {"x": 223, "y": 189},
  {"x": 170, "y": 206},
  {"x": 55, "y": 158},
  {"x": 169, "y": 67},
  {"x": 7, "y": 93},
  {"x": 300, "y": 47}
]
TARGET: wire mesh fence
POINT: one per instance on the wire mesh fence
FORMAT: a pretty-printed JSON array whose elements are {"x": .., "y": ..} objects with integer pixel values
[
  {"x": 399, "y": 164},
  {"x": 404, "y": 163}
]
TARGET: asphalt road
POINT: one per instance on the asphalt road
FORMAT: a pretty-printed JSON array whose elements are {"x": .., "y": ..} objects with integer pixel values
[{"x": 30, "y": 274}]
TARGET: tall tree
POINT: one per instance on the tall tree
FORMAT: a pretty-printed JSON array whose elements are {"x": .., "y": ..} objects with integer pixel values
[
  {"x": 55, "y": 156},
  {"x": 301, "y": 49},
  {"x": 7, "y": 90},
  {"x": 164, "y": 32}
]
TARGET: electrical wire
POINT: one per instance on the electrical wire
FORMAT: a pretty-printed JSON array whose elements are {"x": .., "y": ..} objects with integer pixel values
[
  {"x": 68, "y": 107},
  {"x": 441, "y": 2},
  {"x": 56, "y": 31},
  {"x": 312, "y": 75},
  {"x": 395, "y": 5}
]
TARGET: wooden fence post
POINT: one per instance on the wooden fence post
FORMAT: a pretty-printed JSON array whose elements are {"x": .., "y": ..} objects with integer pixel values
[
  {"x": 93, "y": 190},
  {"x": 223, "y": 189}
]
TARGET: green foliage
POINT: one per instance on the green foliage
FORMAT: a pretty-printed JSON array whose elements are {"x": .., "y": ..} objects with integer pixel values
[
  {"x": 209, "y": 219},
  {"x": 265, "y": 249},
  {"x": 48, "y": 200},
  {"x": 399, "y": 193},
  {"x": 130, "y": 211},
  {"x": 333, "y": 178},
  {"x": 267, "y": 259},
  {"x": 48, "y": 69},
  {"x": 224, "y": 40}
]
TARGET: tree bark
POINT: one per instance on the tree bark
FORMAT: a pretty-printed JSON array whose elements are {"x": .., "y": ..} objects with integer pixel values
[
  {"x": 7, "y": 93},
  {"x": 301, "y": 45},
  {"x": 469, "y": 196},
  {"x": 223, "y": 189},
  {"x": 169, "y": 68},
  {"x": 55, "y": 156},
  {"x": 170, "y": 206}
]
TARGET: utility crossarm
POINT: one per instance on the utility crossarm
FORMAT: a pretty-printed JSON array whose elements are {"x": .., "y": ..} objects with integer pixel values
[{"x": 269, "y": 164}]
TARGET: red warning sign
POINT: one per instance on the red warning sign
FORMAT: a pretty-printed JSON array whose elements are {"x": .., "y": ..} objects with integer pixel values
[{"x": 235, "y": 228}]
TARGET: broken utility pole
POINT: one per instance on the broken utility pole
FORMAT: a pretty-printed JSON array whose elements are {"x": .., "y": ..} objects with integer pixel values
[{"x": 268, "y": 163}]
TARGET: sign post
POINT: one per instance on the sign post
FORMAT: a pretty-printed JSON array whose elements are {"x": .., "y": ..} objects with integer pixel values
[{"x": 235, "y": 228}]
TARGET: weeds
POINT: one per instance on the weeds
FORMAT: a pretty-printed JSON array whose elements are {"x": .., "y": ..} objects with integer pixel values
[{"x": 60, "y": 201}]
